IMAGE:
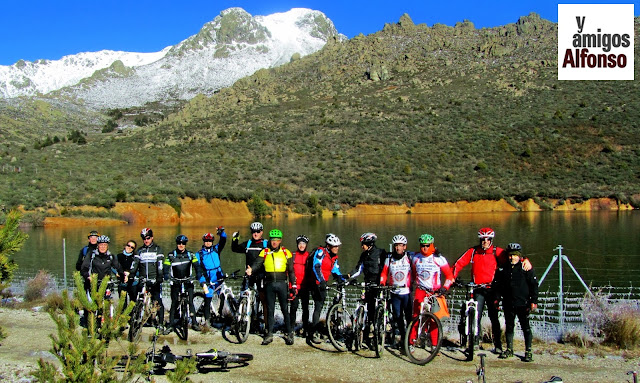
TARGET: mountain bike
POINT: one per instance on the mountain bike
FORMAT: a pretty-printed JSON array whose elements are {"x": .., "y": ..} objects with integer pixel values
[
  {"x": 227, "y": 310},
  {"x": 382, "y": 327},
  {"x": 181, "y": 327},
  {"x": 468, "y": 326},
  {"x": 346, "y": 328},
  {"x": 419, "y": 343},
  {"x": 142, "y": 310}
]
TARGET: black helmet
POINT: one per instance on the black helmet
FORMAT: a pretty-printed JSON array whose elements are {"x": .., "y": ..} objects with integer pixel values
[
  {"x": 182, "y": 239},
  {"x": 302, "y": 238},
  {"x": 146, "y": 232}
]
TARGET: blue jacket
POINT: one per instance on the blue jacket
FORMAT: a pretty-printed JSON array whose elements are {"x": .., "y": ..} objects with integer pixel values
[{"x": 210, "y": 264}]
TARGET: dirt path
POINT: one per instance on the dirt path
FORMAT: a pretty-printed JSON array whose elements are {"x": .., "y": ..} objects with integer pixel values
[{"x": 28, "y": 340}]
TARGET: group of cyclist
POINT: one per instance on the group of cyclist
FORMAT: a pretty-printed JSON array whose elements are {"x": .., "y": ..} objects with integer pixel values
[{"x": 294, "y": 279}]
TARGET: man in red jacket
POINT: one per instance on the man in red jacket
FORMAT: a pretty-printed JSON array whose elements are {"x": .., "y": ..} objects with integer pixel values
[{"x": 484, "y": 259}]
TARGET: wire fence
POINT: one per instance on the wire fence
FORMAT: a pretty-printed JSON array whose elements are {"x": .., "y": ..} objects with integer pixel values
[{"x": 560, "y": 301}]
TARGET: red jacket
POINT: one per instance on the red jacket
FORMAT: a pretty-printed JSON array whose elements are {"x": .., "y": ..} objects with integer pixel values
[
  {"x": 300, "y": 266},
  {"x": 483, "y": 263}
]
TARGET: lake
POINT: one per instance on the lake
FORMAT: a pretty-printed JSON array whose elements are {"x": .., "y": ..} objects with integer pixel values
[{"x": 604, "y": 246}]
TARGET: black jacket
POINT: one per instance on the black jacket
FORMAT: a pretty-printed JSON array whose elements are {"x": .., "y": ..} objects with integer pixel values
[
  {"x": 87, "y": 250},
  {"x": 516, "y": 287},
  {"x": 101, "y": 264},
  {"x": 370, "y": 264}
]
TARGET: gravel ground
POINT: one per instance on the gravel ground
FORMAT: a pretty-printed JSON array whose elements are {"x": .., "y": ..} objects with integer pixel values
[{"x": 28, "y": 340}]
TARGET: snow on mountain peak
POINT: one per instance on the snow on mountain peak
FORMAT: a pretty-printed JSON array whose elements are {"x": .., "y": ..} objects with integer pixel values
[{"x": 233, "y": 45}]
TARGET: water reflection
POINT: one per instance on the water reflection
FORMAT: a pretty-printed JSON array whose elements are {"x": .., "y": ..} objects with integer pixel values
[{"x": 603, "y": 246}]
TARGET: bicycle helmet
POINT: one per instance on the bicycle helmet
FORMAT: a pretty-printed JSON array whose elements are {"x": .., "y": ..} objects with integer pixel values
[
  {"x": 302, "y": 238},
  {"x": 486, "y": 232},
  {"x": 146, "y": 232},
  {"x": 368, "y": 238},
  {"x": 514, "y": 247},
  {"x": 93, "y": 233},
  {"x": 399, "y": 239},
  {"x": 256, "y": 226},
  {"x": 275, "y": 233},
  {"x": 208, "y": 237},
  {"x": 426, "y": 239},
  {"x": 182, "y": 239},
  {"x": 333, "y": 240},
  {"x": 103, "y": 239}
]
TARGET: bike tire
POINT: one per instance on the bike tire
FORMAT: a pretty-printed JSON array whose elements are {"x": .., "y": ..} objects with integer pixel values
[
  {"x": 421, "y": 350},
  {"x": 358, "y": 328},
  {"x": 135, "y": 323},
  {"x": 238, "y": 358},
  {"x": 472, "y": 323},
  {"x": 379, "y": 331},
  {"x": 198, "y": 304},
  {"x": 182, "y": 327},
  {"x": 339, "y": 327},
  {"x": 243, "y": 321}
]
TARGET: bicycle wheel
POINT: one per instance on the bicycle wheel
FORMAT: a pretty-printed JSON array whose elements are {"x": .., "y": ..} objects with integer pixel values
[
  {"x": 135, "y": 323},
  {"x": 418, "y": 341},
  {"x": 339, "y": 327},
  {"x": 243, "y": 321},
  {"x": 198, "y": 304},
  {"x": 358, "y": 329},
  {"x": 235, "y": 358},
  {"x": 182, "y": 326},
  {"x": 471, "y": 325},
  {"x": 379, "y": 331}
]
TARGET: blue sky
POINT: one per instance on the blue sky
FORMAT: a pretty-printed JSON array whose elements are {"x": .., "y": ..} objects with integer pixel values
[{"x": 35, "y": 29}]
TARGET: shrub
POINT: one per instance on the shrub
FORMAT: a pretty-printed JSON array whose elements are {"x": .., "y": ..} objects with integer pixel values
[
  {"x": 11, "y": 240},
  {"x": 37, "y": 287},
  {"x": 615, "y": 323}
]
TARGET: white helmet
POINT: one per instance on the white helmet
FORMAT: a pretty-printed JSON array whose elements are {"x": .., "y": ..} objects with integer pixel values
[
  {"x": 256, "y": 226},
  {"x": 399, "y": 239},
  {"x": 333, "y": 240}
]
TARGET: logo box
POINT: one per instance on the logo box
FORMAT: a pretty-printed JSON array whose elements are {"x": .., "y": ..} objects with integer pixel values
[{"x": 595, "y": 42}]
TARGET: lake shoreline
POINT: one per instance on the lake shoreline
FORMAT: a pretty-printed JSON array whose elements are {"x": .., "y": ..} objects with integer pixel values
[{"x": 201, "y": 210}]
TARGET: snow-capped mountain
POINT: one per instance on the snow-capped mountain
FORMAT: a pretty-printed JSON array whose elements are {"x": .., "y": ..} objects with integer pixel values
[{"x": 233, "y": 45}]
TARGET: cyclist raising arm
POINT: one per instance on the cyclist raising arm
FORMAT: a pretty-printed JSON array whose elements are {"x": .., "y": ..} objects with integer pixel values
[
  {"x": 210, "y": 267},
  {"x": 252, "y": 249}
]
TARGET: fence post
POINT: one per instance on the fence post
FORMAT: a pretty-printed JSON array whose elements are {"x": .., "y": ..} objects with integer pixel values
[{"x": 560, "y": 296}]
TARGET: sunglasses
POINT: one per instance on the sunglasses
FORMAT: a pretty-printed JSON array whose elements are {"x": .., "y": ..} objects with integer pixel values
[
  {"x": 181, "y": 243},
  {"x": 424, "y": 245},
  {"x": 130, "y": 246},
  {"x": 147, "y": 238},
  {"x": 485, "y": 239},
  {"x": 256, "y": 231}
]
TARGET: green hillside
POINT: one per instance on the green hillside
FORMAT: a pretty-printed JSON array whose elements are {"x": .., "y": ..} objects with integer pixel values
[{"x": 408, "y": 114}]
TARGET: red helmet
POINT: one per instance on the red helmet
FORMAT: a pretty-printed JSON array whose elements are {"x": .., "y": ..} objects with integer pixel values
[
  {"x": 208, "y": 237},
  {"x": 486, "y": 232}
]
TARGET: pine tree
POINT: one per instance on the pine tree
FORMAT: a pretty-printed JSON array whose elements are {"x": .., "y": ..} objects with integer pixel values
[
  {"x": 83, "y": 352},
  {"x": 11, "y": 240}
]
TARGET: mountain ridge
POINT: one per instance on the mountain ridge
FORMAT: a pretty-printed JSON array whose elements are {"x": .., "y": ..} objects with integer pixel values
[{"x": 234, "y": 40}]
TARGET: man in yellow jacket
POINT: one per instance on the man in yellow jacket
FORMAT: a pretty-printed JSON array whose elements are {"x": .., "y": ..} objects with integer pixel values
[{"x": 277, "y": 263}]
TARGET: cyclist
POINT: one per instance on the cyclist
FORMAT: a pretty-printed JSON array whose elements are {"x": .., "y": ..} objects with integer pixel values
[
  {"x": 91, "y": 246},
  {"x": 484, "y": 259},
  {"x": 519, "y": 291},
  {"x": 100, "y": 262},
  {"x": 427, "y": 268},
  {"x": 302, "y": 265},
  {"x": 147, "y": 262},
  {"x": 277, "y": 263},
  {"x": 181, "y": 264},
  {"x": 396, "y": 272},
  {"x": 125, "y": 258},
  {"x": 210, "y": 267},
  {"x": 370, "y": 264},
  {"x": 252, "y": 249},
  {"x": 325, "y": 263}
]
